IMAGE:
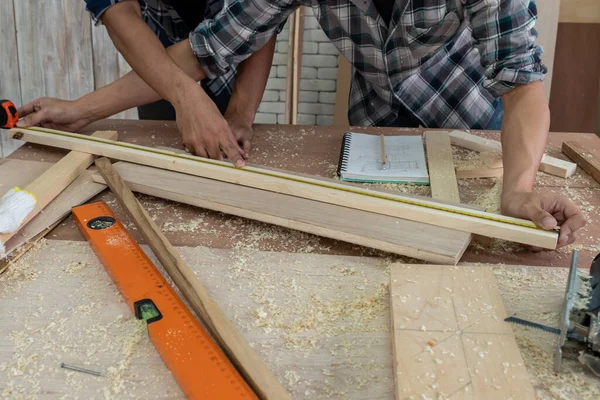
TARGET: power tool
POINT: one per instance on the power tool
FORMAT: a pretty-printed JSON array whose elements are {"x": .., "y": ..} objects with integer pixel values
[
  {"x": 8, "y": 114},
  {"x": 579, "y": 331}
]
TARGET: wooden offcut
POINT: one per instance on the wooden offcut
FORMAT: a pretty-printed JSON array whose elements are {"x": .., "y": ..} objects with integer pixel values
[
  {"x": 308, "y": 187},
  {"x": 239, "y": 351},
  {"x": 479, "y": 173},
  {"x": 60, "y": 175},
  {"x": 549, "y": 165},
  {"x": 441, "y": 166},
  {"x": 394, "y": 235},
  {"x": 584, "y": 159},
  {"x": 449, "y": 335},
  {"x": 22, "y": 172}
]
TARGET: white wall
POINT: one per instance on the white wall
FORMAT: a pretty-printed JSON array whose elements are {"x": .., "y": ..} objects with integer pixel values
[{"x": 318, "y": 79}]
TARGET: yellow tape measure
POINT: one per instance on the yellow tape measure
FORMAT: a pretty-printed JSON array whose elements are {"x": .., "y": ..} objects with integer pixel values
[{"x": 311, "y": 181}]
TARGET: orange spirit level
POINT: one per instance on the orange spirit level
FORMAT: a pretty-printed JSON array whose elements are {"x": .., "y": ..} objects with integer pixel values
[{"x": 198, "y": 364}]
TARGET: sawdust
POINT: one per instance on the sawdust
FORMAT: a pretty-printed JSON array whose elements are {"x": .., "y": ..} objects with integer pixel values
[
  {"x": 490, "y": 199},
  {"x": 196, "y": 225},
  {"x": 21, "y": 271},
  {"x": 75, "y": 327}
]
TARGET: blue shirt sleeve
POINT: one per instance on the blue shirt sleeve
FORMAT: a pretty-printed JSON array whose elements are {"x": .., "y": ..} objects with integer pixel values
[{"x": 98, "y": 7}]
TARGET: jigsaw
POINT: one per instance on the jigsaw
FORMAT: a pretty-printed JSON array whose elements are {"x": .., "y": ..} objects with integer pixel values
[{"x": 579, "y": 331}]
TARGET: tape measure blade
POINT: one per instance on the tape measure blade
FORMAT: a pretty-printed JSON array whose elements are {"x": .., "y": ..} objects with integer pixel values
[{"x": 197, "y": 363}]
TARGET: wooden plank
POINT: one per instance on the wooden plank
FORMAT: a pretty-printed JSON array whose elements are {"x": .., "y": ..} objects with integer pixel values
[
  {"x": 20, "y": 173},
  {"x": 109, "y": 65},
  {"x": 547, "y": 28},
  {"x": 449, "y": 335},
  {"x": 9, "y": 65},
  {"x": 550, "y": 165},
  {"x": 586, "y": 160},
  {"x": 294, "y": 66},
  {"x": 54, "y": 180},
  {"x": 312, "y": 188},
  {"x": 479, "y": 173},
  {"x": 441, "y": 166},
  {"x": 239, "y": 351},
  {"x": 394, "y": 235},
  {"x": 342, "y": 92},
  {"x": 580, "y": 11},
  {"x": 474, "y": 142},
  {"x": 573, "y": 108}
]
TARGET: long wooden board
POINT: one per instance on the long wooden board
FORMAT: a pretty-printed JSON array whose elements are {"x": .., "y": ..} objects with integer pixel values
[
  {"x": 586, "y": 160},
  {"x": 312, "y": 188},
  {"x": 449, "y": 335},
  {"x": 233, "y": 344},
  {"x": 442, "y": 177},
  {"x": 550, "y": 165},
  {"x": 394, "y": 235},
  {"x": 53, "y": 181}
]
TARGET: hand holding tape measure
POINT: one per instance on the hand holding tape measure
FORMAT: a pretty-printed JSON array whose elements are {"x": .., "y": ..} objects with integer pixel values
[{"x": 8, "y": 114}]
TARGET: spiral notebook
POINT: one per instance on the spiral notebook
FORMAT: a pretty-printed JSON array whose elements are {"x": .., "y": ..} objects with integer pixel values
[{"x": 360, "y": 159}]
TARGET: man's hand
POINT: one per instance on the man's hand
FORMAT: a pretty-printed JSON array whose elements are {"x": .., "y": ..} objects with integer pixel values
[
  {"x": 242, "y": 132},
  {"x": 54, "y": 114},
  {"x": 547, "y": 211},
  {"x": 203, "y": 130}
]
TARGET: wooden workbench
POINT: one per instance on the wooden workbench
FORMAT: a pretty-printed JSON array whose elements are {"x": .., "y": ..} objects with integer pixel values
[
  {"x": 315, "y": 150},
  {"x": 320, "y": 322}
]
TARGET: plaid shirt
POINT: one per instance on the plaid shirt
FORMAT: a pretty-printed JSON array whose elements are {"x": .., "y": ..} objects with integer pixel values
[
  {"x": 168, "y": 26},
  {"x": 444, "y": 60}
]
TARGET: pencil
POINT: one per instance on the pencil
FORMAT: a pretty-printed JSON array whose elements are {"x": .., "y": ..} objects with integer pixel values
[{"x": 384, "y": 164}]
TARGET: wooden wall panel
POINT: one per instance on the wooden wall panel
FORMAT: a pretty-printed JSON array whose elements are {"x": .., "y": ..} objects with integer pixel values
[
  {"x": 10, "y": 87},
  {"x": 575, "y": 87},
  {"x": 78, "y": 27},
  {"x": 42, "y": 46},
  {"x": 547, "y": 27},
  {"x": 109, "y": 65}
]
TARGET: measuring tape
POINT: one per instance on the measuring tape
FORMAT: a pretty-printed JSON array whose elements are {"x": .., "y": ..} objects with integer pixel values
[
  {"x": 298, "y": 178},
  {"x": 197, "y": 363}
]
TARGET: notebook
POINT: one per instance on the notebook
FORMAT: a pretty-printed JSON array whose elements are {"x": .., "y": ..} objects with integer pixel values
[{"x": 360, "y": 159}]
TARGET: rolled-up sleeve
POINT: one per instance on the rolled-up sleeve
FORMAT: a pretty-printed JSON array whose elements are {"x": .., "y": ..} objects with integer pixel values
[
  {"x": 504, "y": 34},
  {"x": 98, "y": 7},
  {"x": 240, "y": 29}
]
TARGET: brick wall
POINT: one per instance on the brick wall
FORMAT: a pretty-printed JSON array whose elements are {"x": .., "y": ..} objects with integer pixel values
[{"x": 317, "y": 84}]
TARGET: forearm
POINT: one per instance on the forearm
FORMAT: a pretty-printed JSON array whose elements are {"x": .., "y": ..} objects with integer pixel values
[
  {"x": 131, "y": 91},
  {"x": 524, "y": 135},
  {"x": 250, "y": 83},
  {"x": 146, "y": 55}
]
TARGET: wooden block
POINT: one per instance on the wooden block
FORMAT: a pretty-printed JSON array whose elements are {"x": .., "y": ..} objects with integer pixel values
[
  {"x": 304, "y": 186},
  {"x": 558, "y": 167},
  {"x": 475, "y": 143},
  {"x": 491, "y": 159},
  {"x": 394, "y": 235},
  {"x": 441, "y": 166},
  {"x": 586, "y": 160},
  {"x": 549, "y": 165},
  {"x": 449, "y": 335},
  {"x": 479, "y": 173},
  {"x": 54, "y": 180}
]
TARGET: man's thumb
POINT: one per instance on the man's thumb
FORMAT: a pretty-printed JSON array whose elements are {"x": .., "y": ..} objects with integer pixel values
[
  {"x": 33, "y": 119},
  {"x": 543, "y": 219}
]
